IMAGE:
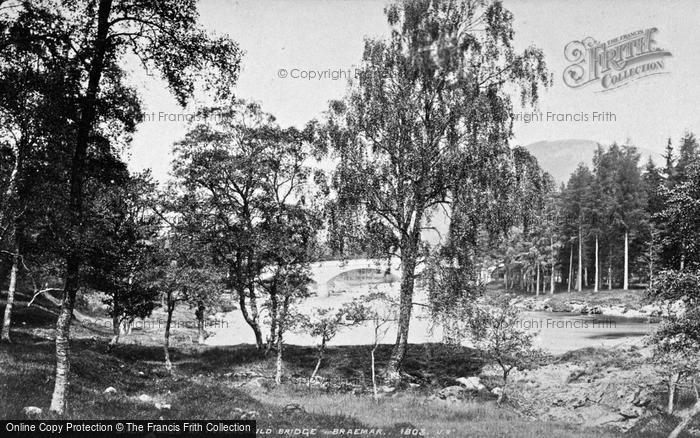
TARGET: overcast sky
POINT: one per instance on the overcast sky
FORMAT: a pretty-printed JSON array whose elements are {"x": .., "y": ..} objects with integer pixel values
[{"x": 318, "y": 35}]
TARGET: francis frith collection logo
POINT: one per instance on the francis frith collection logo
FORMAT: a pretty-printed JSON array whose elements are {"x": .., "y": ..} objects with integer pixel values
[{"x": 616, "y": 62}]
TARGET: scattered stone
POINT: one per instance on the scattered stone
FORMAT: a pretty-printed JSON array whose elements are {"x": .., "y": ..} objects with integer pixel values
[
  {"x": 471, "y": 383},
  {"x": 145, "y": 398},
  {"x": 110, "y": 390},
  {"x": 32, "y": 411}
]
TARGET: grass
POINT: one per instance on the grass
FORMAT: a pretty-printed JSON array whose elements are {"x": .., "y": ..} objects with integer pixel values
[{"x": 204, "y": 385}]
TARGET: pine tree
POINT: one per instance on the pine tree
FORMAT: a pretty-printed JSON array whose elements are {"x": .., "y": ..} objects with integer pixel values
[{"x": 576, "y": 200}]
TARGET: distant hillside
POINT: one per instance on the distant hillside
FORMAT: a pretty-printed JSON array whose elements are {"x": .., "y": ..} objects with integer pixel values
[{"x": 561, "y": 157}]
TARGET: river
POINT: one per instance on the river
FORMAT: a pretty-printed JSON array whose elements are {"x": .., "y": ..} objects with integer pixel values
[{"x": 555, "y": 332}]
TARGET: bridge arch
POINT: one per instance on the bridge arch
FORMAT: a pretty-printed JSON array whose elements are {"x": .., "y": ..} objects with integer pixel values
[{"x": 328, "y": 274}]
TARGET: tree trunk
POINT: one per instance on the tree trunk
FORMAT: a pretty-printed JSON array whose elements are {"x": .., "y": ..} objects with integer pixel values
[
  {"x": 626, "y": 279},
  {"x": 610, "y": 270},
  {"x": 597, "y": 274},
  {"x": 551, "y": 278},
  {"x": 200, "y": 324},
  {"x": 374, "y": 372},
  {"x": 58, "y": 398},
  {"x": 278, "y": 367},
  {"x": 116, "y": 329},
  {"x": 166, "y": 340},
  {"x": 13, "y": 195},
  {"x": 538, "y": 280},
  {"x": 321, "y": 350},
  {"x": 571, "y": 266},
  {"x": 672, "y": 382},
  {"x": 272, "y": 339},
  {"x": 686, "y": 420},
  {"x": 580, "y": 261},
  {"x": 651, "y": 261},
  {"x": 280, "y": 341},
  {"x": 408, "y": 262},
  {"x": 84, "y": 128},
  {"x": 250, "y": 320},
  {"x": 7, "y": 320}
]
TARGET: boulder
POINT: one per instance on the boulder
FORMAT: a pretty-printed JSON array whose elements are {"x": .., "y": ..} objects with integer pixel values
[
  {"x": 161, "y": 406},
  {"x": 32, "y": 411},
  {"x": 641, "y": 399},
  {"x": 573, "y": 374},
  {"x": 292, "y": 408},
  {"x": 631, "y": 412},
  {"x": 471, "y": 383},
  {"x": 452, "y": 393},
  {"x": 145, "y": 398},
  {"x": 110, "y": 390},
  {"x": 257, "y": 382}
]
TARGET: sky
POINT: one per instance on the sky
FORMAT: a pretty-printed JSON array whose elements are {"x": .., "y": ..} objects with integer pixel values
[{"x": 286, "y": 41}]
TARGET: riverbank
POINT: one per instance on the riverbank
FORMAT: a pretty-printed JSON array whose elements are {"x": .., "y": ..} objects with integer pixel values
[
  {"x": 614, "y": 303},
  {"x": 129, "y": 381},
  {"x": 588, "y": 392}
]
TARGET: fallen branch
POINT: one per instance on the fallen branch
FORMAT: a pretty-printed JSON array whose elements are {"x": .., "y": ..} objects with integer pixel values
[{"x": 37, "y": 293}]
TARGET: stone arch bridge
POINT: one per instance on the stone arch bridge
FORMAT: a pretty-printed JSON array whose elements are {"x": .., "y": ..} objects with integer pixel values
[{"x": 328, "y": 275}]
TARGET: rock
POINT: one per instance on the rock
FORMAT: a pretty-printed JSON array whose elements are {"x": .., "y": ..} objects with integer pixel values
[
  {"x": 579, "y": 401},
  {"x": 257, "y": 382},
  {"x": 163, "y": 406},
  {"x": 110, "y": 390},
  {"x": 452, "y": 393},
  {"x": 32, "y": 411},
  {"x": 641, "y": 399},
  {"x": 293, "y": 408},
  {"x": 145, "y": 398},
  {"x": 604, "y": 419},
  {"x": 250, "y": 415},
  {"x": 497, "y": 391},
  {"x": 471, "y": 383},
  {"x": 574, "y": 374},
  {"x": 631, "y": 411},
  {"x": 387, "y": 389}
]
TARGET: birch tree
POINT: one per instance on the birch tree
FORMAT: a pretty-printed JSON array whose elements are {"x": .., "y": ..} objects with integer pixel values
[{"x": 426, "y": 124}]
